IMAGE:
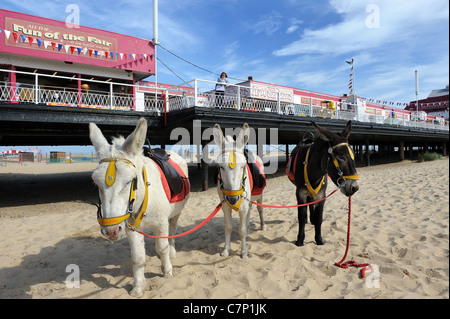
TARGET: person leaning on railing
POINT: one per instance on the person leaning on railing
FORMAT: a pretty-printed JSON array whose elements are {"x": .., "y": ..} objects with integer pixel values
[{"x": 220, "y": 88}]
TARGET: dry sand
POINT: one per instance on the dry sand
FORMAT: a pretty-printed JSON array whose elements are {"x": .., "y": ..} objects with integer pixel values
[{"x": 400, "y": 224}]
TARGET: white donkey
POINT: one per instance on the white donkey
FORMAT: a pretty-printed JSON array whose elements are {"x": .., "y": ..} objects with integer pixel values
[
  {"x": 234, "y": 184},
  {"x": 127, "y": 179}
]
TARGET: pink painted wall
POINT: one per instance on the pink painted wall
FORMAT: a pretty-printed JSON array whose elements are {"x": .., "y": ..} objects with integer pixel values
[{"x": 86, "y": 39}]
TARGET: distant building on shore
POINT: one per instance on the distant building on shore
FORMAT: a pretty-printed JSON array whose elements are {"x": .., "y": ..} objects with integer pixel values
[{"x": 436, "y": 104}]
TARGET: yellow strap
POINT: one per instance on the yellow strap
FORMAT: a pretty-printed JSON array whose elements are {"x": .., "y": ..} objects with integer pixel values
[
  {"x": 111, "y": 171},
  {"x": 235, "y": 207},
  {"x": 112, "y": 221},
  {"x": 111, "y": 174},
  {"x": 353, "y": 177},
  {"x": 233, "y": 193},
  {"x": 308, "y": 184},
  {"x": 145, "y": 202},
  {"x": 349, "y": 149},
  {"x": 240, "y": 192},
  {"x": 110, "y": 179},
  {"x": 115, "y": 159},
  {"x": 232, "y": 160}
]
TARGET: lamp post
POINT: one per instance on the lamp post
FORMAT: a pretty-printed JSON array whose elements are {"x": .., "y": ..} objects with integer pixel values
[
  {"x": 417, "y": 93},
  {"x": 155, "y": 43}
]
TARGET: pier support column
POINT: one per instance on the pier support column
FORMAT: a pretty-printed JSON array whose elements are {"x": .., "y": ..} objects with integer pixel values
[
  {"x": 287, "y": 152},
  {"x": 367, "y": 153},
  {"x": 199, "y": 156},
  {"x": 360, "y": 152},
  {"x": 444, "y": 148},
  {"x": 260, "y": 139},
  {"x": 205, "y": 168},
  {"x": 401, "y": 150}
]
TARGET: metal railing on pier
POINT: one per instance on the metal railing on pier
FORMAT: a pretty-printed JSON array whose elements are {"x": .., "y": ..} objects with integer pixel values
[{"x": 245, "y": 98}]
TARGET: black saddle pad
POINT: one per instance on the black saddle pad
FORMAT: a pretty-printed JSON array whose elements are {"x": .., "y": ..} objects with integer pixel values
[{"x": 161, "y": 158}]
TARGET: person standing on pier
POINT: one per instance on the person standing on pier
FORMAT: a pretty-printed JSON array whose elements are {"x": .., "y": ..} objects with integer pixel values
[{"x": 220, "y": 88}]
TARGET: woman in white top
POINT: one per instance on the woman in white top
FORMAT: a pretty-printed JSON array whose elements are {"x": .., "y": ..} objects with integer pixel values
[{"x": 220, "y": 88}]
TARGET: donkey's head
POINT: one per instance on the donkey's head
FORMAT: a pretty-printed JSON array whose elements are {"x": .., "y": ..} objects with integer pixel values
[
  {"x": 117, "y": 177},
  {"x": 341, "y": 168},
  {"x": 232, "y": 164}
]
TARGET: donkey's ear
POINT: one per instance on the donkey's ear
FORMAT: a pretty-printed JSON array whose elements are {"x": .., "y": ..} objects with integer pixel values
[
  {"x": 100, "y": 143},
  {"x": 218, "y": 135},
  {"x": 243, "y": 137},
  {"x": 135, "y": 141},
  {"x": 347, "y": 130},
  {"x": 323, "y": 132}
]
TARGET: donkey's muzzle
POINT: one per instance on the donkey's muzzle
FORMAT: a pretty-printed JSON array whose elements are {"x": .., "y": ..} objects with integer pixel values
[
  {"x": 113, "y": 233},
  {"x": 350, "y": 187},
  {"x": 232, "y": 200}
]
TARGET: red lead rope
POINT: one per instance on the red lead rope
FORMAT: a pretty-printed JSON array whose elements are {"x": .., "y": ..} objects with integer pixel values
[
  {"x": 348, "y": 263},
  {"x": 291, "y": 206},
  {"x": 216, "y": 210},
  {"x": 340, "y": 264}
]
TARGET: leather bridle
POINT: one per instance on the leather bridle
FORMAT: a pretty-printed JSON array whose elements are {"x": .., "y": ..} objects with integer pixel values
[{"x": 133, "y": 219}]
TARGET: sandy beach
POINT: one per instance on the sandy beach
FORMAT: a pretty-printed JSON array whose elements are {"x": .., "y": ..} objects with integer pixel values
[{"x": 400, "y": 225}]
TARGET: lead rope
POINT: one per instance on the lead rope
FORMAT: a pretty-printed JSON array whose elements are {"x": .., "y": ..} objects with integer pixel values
[
  {"x": 348, "y": 263},
  {"x": 216, "y": 210}
]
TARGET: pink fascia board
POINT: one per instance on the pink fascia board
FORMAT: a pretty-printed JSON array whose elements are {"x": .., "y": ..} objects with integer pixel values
[{"x": 54, "y": 40}]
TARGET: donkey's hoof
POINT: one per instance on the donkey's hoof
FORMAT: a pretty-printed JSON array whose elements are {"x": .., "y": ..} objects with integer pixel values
[
  {"x": 299, "y": 243},
  {"x": 319, "y": 241},
  {"x": 136, "y": 292},
  {"x": 224, "y": 253}
]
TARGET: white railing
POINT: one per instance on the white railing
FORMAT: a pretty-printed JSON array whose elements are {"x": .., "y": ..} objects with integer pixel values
[
  {"x": 241, "y": 98},
  {"x": 68, "y": 96}
]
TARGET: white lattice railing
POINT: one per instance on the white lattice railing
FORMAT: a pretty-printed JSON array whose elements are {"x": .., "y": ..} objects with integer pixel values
[{"x": 203, "y": 95}]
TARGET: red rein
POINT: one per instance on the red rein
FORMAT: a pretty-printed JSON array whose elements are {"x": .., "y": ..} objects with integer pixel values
[{"x": 349, "y": 263}]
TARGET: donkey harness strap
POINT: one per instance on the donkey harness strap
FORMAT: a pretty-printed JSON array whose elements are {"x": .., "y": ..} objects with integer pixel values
[{"x": 110, "y": 179}]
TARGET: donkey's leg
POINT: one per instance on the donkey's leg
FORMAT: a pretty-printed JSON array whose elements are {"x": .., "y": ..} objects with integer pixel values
[
  {"x": 302, "y": 219},
  {"x": 172, "y": 231},
  {"x": 259, "y": 200},
  {"x": 136, "y": 241},
  {"x": 316, "y": 218},
  {"x": 163, "y": 249},
  {"x": 228, "y": 229},
  {"x": 244, "y": 218}
]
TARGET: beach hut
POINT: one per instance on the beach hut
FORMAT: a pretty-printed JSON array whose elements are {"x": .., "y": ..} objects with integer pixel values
[{"x": 56, "y": 157}]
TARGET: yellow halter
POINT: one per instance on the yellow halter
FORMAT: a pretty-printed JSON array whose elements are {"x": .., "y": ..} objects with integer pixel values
[
  {"x": 239, "y": 192},
  {"x": 110, "y": 179},
  {"x": 352, "y": 156},
  {"x": 316, "y": 190}
]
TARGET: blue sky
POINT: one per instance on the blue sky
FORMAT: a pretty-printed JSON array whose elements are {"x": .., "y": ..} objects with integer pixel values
[{"x": 297, "y": 43}]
